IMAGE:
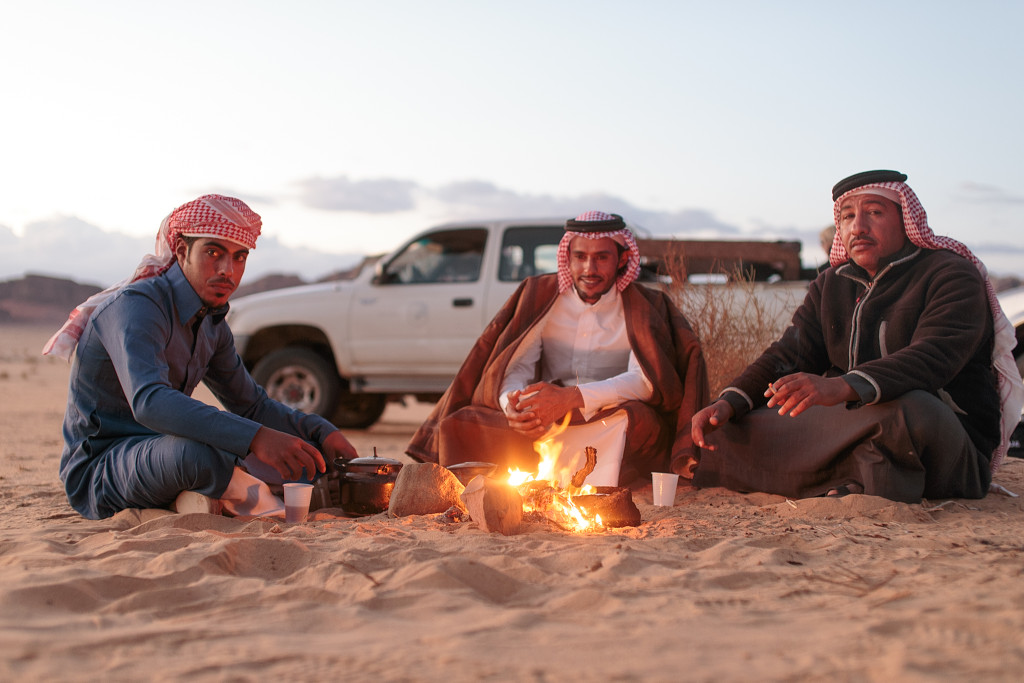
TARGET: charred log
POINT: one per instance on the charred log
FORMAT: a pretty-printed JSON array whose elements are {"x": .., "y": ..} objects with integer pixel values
[{"x": 613, "y": 503}]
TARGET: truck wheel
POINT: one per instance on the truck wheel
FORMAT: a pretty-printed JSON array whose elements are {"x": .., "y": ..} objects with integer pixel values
[
  {"x": 300, "y": 379},
  {"x": 358, "y": 411}
]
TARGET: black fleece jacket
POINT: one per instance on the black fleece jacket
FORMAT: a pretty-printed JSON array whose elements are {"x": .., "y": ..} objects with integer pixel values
[{"x": 923, "y": 322}]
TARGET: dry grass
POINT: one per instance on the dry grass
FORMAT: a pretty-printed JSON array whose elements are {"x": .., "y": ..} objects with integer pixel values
[{"x": 733, "y": 322}]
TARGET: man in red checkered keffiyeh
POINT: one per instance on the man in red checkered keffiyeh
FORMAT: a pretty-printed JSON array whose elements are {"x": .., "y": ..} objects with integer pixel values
[
  {"x": 133, "y": 435},
  {"x": 895, "y": 378},
  {"x": 211, "y": 215}
]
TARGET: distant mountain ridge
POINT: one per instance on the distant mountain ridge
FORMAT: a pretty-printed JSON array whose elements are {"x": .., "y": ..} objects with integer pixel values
[{"x": 40, "y": 298}]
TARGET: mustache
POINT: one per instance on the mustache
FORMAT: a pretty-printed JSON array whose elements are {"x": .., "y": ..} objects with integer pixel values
[{"x": 222, "y": 281}]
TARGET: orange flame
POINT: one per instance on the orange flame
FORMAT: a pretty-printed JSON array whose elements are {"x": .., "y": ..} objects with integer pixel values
[{"x": 559, "y": 507}]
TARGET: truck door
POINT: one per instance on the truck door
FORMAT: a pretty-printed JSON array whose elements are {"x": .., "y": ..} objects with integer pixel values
[{"x": 425, "y": 308}]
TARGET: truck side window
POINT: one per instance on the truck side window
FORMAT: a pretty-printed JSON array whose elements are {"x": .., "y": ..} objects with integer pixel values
[
  {"x": 444, "y": 256},
  {"x": 529, "y": 250}
]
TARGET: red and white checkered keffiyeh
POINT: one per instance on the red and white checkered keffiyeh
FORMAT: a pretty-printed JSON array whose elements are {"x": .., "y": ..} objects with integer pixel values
[
  {"x": 1011, "y": 388},
  {"x": 211, "y": 215},
  {"x": 623, "y": 237}
]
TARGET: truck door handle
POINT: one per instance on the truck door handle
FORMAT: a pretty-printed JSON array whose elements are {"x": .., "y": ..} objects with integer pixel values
[{"x": 462, "y": 303}]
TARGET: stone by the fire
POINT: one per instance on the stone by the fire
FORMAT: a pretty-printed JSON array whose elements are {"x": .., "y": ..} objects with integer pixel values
[
  {"x": 424, "y": 489},
  {"x": 494, "y": 505}
]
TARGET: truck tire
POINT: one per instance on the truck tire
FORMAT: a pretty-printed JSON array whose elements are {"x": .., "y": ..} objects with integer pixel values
[
  {"x": 359, "y": 411},
  {"x": 300, "y": 379}
]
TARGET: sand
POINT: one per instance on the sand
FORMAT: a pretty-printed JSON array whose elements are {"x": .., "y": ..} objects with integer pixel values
[{"x": 721, "y": 586}]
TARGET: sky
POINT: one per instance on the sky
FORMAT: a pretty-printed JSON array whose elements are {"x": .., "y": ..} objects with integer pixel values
[{"x": 351, "y": 126}]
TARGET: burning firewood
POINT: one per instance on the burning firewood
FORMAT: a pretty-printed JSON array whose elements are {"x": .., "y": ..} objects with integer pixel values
[
  {"x": 494, "y": 505},
  {"x": 614, "y": 504},
  {"x": 577, "y": 506},
  {"x": 537, "y": 495},
  {"x": 588, "y": 467}
]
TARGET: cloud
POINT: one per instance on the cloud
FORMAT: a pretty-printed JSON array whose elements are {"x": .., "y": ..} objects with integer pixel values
[
  {"x": 476, "y": 198},
  {"x": 472, "y": 199},
  {"x": 8, "y": 240},
  {"x": 67, "y": 246},
  {"x": 485, "y": 198},
  {"x": 365, "y": 196},
  {"x": 248, "y": 197},
  {"x": 988, "y": 194}
]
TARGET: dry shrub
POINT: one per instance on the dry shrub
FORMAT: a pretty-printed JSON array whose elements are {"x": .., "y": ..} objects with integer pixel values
[{"x": 735, "y": 320}]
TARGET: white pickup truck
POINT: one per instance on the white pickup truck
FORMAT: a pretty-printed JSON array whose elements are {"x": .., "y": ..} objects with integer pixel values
[{"x": 341, "y": 349}]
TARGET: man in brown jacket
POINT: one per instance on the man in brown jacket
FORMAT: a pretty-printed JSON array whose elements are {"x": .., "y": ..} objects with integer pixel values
[
  {"x": 587, "y": 342},
  {"x": 895, "y": 377}
]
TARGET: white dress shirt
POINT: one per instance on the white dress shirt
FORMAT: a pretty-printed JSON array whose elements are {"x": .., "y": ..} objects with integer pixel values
[{"x": 584, "y": 345}]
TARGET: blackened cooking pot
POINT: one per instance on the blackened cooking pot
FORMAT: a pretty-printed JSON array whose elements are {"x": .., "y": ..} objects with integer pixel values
[{"x": 365, "y": 484}]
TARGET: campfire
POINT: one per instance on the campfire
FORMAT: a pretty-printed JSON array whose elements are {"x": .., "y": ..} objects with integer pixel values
[
  {"x": 549, "y": 495},
  {"x": 555, "y": 493}
]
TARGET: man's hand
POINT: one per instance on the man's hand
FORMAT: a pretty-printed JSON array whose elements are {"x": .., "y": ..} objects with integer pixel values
[
  {"x": 287, "y": 454},
  {"x": 797, "y": 392},
  {"x": 533, "y": 410},
  {"x": 337, "y": 446},
  {"x": 708, "y": 420}
]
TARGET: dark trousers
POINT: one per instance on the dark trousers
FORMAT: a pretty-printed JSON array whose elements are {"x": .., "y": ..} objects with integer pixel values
[
  {"x": 905, "y": 449},
  {"x": 150, "y": 472}
]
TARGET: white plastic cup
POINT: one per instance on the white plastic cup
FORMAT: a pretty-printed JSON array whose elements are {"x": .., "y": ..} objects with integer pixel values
[
  {"x": 665, "y": 488},
  {"x": 296, "y": 502}
]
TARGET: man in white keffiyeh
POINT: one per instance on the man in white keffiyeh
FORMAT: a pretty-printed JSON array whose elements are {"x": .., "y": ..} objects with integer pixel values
[
  {"x": 895, "y": 378},
  {"x": 586, "y": 342},
  {"x": 134, "y": 437}
]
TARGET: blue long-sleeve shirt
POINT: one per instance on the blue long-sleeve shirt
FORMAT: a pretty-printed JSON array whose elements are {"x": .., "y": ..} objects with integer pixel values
[{"x": 134, "y": 371}]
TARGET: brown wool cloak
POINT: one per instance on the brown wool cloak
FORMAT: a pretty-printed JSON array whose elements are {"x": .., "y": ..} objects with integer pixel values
[{"x": 664, "y": 344}]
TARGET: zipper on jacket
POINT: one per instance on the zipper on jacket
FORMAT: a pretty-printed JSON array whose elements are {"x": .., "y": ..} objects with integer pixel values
[
  {"x": 855, "y": 327},
  {"x": 862, "y": 299}
]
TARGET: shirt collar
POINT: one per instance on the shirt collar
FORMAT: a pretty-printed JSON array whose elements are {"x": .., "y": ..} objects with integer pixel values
[
  {"x": 187, "y": 302},
  {"x": 607, "y": 299}
]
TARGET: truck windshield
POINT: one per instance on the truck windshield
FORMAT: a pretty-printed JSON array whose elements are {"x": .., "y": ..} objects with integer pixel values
[{"x": 447, "y": 256}]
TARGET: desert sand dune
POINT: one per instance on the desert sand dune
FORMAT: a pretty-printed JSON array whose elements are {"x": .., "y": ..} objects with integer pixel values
[{"x": 722, "y": 586}]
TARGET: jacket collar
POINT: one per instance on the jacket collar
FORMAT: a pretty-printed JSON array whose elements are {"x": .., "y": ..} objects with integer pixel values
[
  {"x": 908, "y": 253},
  {"x": 187, "y": 302}
]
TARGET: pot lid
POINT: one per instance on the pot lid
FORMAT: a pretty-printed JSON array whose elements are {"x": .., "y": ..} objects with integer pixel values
[
  {"x": 373, "y": 460},
  {"x": 369, "y": 461},
  {"x": 472, "y": 465}
]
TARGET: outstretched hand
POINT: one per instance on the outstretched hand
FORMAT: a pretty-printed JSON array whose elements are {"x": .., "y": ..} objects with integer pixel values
[
  {"x": 708, "y": 420},
  {"x": 287, "y": 454}
]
